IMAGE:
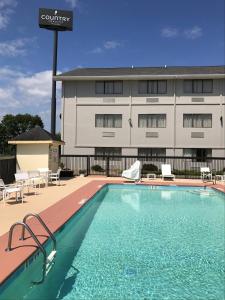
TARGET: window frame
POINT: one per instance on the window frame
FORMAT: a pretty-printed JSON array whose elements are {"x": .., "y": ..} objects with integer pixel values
[
  {"x": 199, "y": 158},
  {"x": 149, "y": 87},
  {"x": 104, "y": 120},
  {"x": 192, "y": 121},
  {"x": 148, "y": 120},
  {"x": 104, "y": 87},
  {"x": 193, "y": 81}
]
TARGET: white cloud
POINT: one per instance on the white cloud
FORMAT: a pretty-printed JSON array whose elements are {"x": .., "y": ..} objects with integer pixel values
[
  {"x": 22, "y": 92},
  {"x": 14, "y": 48},
  {"x": 72, "y": 3},
  {"x": 37, "y": 85},
  {"x": 111, "y": 44},
  {"x": 108, "y": 45},
  {"x": 7, "y": 3},
  {"x": 169, "y": 32},
  {"x": 7, "y": 8},
  {"x": 193, "y": 33},
  {"x": 97, "y": 50}
]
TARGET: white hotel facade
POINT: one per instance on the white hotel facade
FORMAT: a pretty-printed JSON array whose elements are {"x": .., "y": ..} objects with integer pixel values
[{"x": 158, "y": 111}]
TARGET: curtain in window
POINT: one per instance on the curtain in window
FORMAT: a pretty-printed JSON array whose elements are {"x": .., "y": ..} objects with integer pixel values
[
  {"x": 197, "y": 120},
  {"x": 99, "y": 87},
  {"x": 118, "y": 87},
  {"x": 197, "y": 86},
  {"x": 99, "y": 120},
  {"x": 187, "y": 120},
  {"x": 153, "y": 87},
  {"x": 207, "y": 86},
  {"x": 152, "y": 152},
  {"x": 118, "y": 121},
  {"x": 108, "y": 87},
  {"x": 142, "y": 121},
  {"x": 207, "y": 121},
  {"x": 187, "y": 86},
  {"x": 108, "y": 151},
  {"x": 157, "y": 121},
  {"x": 162, "y": 86},
  {"x": 152, "y": 121},
  {"x": 142, "y": 87}
]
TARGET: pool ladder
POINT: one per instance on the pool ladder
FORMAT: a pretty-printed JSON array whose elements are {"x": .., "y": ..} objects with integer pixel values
[{"x": 47, "y": 260}]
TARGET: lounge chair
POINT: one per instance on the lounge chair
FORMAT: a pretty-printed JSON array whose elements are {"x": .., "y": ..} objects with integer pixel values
[
  {"x": 10, "y": 189},
  {"x": 134, "y": 173},
  {"x": 206, "y": 174},
  {"x": 166, "y": 172}
]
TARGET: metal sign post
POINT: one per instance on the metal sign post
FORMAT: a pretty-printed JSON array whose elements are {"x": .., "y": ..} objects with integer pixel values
[{"x": 56, "y": 20}]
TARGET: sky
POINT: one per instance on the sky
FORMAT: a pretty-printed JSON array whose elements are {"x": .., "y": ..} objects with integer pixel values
[{"x": 106, "y": 33}]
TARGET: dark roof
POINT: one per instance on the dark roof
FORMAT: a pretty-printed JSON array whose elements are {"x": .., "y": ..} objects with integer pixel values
[
  {"x": 36, "y": 134},
  {"x": 166, "y": 70}
]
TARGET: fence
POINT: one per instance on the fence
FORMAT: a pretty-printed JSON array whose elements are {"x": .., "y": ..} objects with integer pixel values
[
  {"x": 7, "y": 169},
  {"x": 182, "y": 167}
]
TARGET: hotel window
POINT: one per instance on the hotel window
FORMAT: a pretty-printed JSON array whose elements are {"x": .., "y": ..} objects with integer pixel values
[
  {"x": 107, "y": 151},
  {"x": 151, "y": 152},
  {"x": 198, "y": 86},
  {"x": 152, "y": 87},
  {"x": 197, "y": 120},
  {"x": 108, "y": 120},
  {"x": 199, "y": 155},
  {"x": 108, "y": 87},
  {"x": 152, "y": 121}
]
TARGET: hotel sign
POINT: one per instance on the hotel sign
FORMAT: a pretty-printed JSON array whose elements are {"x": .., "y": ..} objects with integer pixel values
[{"x": 55, "y": 19}]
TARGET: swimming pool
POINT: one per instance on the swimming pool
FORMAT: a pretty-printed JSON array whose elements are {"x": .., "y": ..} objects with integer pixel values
[{"x": 135, "y": 242}]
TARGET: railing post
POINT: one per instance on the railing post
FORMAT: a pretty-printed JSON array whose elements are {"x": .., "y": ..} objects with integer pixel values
[
  {"x": 88, "y": 165},
  {"x": 107, "y": 166}
]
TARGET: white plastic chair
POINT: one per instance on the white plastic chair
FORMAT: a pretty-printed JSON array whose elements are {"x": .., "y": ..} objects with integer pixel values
[
  {"x": 44, "y": 173},
  {"x": 9, "y": 189},
  {"x": 55, "y": 176},
  {"x": 166, "y": 172},
  {"x": 134, "y": 173},
  {"x": 206, "y": 174}
]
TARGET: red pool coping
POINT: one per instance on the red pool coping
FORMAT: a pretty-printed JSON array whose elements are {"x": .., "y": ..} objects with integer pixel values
[{"x": 55, "y": 216}]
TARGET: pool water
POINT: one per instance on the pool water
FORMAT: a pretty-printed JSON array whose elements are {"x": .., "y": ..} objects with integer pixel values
[{"x": 137, "y": 242}]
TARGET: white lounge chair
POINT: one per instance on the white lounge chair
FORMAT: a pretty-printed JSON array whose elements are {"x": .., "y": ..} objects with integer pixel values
[
  {"x": 206, "y": 174},
  {"x": 134, "y": 173},
  {"x": 166, "y": 172},
  {"x": 9, "y": 189}
]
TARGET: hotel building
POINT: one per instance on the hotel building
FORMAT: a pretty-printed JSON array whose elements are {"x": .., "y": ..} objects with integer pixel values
[{"x": 151, "y": 111}]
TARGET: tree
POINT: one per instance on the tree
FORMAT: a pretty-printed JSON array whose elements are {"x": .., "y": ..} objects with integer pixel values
[{"x": 11, "y": 126}]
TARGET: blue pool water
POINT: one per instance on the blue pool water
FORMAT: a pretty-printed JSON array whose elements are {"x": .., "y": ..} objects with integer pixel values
[{"x": 136, "y": 242}]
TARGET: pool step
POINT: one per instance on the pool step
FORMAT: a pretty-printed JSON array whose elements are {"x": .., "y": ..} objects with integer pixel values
[{"x": 50, "y": 261}]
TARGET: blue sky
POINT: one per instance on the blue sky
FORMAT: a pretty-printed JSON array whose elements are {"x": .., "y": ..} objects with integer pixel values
[{"x": 106, "y": 34}]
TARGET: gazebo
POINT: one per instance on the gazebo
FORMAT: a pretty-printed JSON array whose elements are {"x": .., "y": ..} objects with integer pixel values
[{"x": 37, "y": 148}]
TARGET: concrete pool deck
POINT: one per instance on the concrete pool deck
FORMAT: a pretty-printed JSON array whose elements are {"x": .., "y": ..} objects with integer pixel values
[{"x": 56, "y": 204}]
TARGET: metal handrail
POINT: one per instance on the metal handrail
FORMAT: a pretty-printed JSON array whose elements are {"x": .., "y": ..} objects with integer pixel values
[
  {"x": 25, "y": 226},
  {"x": 43, "y": 224}
]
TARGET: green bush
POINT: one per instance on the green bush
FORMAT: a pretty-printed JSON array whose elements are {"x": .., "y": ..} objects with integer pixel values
[
  {"x": 147, "y": 168},
  {"x": 97, "y": 168}
]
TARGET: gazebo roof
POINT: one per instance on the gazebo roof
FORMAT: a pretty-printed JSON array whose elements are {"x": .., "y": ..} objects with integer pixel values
[{"x": 36, "y": 135}]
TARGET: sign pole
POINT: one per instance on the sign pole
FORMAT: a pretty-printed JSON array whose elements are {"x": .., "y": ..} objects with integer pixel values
[
  {"x": 56, "y": 20},
  {"x": 54, "y": 71}
]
